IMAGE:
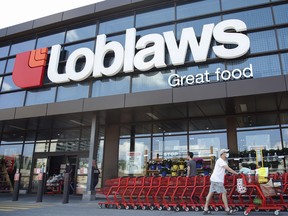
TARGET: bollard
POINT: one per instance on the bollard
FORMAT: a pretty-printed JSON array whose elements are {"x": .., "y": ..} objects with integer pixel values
[
  {"x": 17, "y": 178},
  {"x": 66, "y": 188},
  {"x": 41, "y": 186}
]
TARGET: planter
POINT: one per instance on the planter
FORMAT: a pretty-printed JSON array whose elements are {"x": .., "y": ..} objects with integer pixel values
[
  {"x": 152, "y": 167},
  {"x": 175, "y": 167},
  {"x": 198, "y": 165},
  {"x": 181, "y": 167},
  {"x": 173, "y": 173}
]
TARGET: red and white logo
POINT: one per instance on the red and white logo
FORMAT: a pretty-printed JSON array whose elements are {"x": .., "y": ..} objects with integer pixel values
[{"x": 29, "y": 68}]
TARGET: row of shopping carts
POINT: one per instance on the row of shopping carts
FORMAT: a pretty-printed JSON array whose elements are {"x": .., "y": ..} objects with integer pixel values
[{"x": 189, "y": 193}]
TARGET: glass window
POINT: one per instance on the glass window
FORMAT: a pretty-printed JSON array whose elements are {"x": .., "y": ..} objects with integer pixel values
[
  {"x": 200, "y": 144},
  {"x": 285, "y": 137},
  {"x": 4, "y": 51},
  {"x": 155, "y": 17},
  {"x": 13, "y": 137},
  {"x": 231, "y": 4},
  {"x": 263, "y": 66},
  {"x": 262, "y": 41},
  {"x": 81, "y": 33},
  {"x": 69, "y": 49},
  {"x": 133, "y": 161},
  {"x": 282, "y": 38},
  {"x": 50, "y": 40},
  {"x": 85, "y": 139},
  {"x": 174, "y": 146},
  {"x": 65, "y": 140},
  {"x": 11, "y": 155},
  {"x": 26, "y": 165},
  {"x": 198, "y": 8},
  {"x": 111, "y": 86},
  {"x": 253, "y": 18},
  {"x": 15, "y": 99},
  {"x": 22, "y": 47},
  {"x": 280, "y": 14},
  {"x": 72, "y": 91},
  {"x": 284, "y": 59},
  {"x": 2, "y": 66},
  {"x": 158, "y": 30},
  {"x": 197, "y": 25},
  {"x": 116, "y": 25},
  {"x": 40, "y": 96},
  {"x": 8, "y": 84},
  {"x": 264, "y": 139},
  {"x": 151, "y": 81},
  {"x": 10, "y": 65}
]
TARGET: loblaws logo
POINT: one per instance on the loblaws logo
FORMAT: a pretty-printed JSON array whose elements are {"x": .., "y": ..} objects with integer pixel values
[{"x": 29, "y": 66}]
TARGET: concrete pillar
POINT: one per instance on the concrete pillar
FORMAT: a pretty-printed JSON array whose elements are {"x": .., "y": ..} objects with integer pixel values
[{"x": 89, "y": 194}]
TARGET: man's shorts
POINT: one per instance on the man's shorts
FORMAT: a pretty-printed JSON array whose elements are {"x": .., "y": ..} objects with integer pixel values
[{"x": 217, "y": 187}]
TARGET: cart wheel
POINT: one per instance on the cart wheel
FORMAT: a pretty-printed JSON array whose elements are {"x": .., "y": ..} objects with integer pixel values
[
  {"x": 143, "y": 207},
  {"x": 216, "y": 209},
  {"x": 246, "y": 213},
  {"x": 100, "y": 205},
  {"x": 135, "y": 207},
  {"x": 196, "y": 209},
  {"x": 177, "y": 209},
  {"x": 168, "y": 208},
  {"x": 127, "y": 207},
  {"x": 160, "y": 208},
  {"x": 119, "y": 206},
  {"x": 151, "y": 207},
  {"x": 277, "y": 212},
  {"x": 186, "y": 209}
]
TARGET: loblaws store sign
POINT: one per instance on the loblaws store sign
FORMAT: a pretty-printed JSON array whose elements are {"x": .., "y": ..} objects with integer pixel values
[{"x": 29, "y": 66}]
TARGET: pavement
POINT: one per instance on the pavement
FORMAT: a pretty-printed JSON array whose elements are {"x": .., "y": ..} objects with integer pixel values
[{"x": 52, "y": 205}]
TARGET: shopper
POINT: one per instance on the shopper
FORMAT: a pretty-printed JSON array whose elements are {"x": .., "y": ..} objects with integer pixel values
[
  {"x": 191, "y": 165},
  {"x": 96, "y": 173},
  {"x": 217, "y": 182}
]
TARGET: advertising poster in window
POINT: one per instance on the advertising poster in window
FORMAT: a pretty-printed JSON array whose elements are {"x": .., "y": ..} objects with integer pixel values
[{"x": 134, "y": 163}]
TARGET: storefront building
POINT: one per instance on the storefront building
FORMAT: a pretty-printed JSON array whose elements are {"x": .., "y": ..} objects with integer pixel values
[{"x": 121, "y": 81}]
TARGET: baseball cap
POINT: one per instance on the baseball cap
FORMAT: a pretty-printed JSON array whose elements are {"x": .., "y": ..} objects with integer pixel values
[{"x": 222, "y": 151}]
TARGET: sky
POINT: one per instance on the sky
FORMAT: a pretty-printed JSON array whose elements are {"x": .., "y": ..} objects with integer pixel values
[{"x": 13, "y": 12}]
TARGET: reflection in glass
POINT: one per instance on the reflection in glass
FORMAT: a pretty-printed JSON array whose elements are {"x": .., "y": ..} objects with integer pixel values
[
  {"x": 203, "y": 144},
  {"x": 231, "y": 4},
  {"x": 264, "y": 139},
  {"x": 50, "y": 40},
  {"x": 198, "y": 8},
  {"x": 40, "y": 96},
  {"x": 22, "y": 47},
  {"x": 280, "y": 14},
  {"x": 10, "y": 65},
  {"x": 282, "y": 38},
  {"x": 116, "y": 25},
  {"x": 155, "y": 17},
  {"x": 151, "y": 81},
  {"x": 111, "y": 86},
  {"x": 8, "y": 84},
  {"x": 26, "y": 165},
  {"x": 284, "y": 59},
  {"x": 15, "y": 99},
  {"x": 253, "y": 18},
  {"x": 2, "y": 66},
  {"x": 67, "y": 50},
  {"x": 72, "y": 91},
  {"x": 263, "y": 66},
  {"x": 262, "y": 41},
  {"x": 4, "y": 51},
  {"x": 285, "y": 137},
  {"x": 81, "y": 33}
]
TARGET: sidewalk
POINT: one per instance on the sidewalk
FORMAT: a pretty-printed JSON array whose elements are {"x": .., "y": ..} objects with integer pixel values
[{"x": 52, "y": 206}]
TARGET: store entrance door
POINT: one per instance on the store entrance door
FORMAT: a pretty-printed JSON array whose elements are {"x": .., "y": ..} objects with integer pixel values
[{"x": 54, "y": 167}]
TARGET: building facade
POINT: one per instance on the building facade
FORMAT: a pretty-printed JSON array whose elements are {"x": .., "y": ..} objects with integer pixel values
[{"x": 119, "y": 82}]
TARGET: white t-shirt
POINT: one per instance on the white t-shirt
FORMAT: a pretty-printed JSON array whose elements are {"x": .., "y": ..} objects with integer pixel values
[{"x": 219, "y": 171}]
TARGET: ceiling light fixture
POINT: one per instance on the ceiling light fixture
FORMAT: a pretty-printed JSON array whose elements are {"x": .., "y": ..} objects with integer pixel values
[
  {"x": 77, "y": 122},
  {"x": 152, "y": 116}
]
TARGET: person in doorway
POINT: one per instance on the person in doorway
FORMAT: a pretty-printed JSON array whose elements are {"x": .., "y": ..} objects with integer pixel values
[
  {"x": 217, "y": 182},
  {"x": 96, "y": 173},
  {"x": 191, "y": 165}
]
